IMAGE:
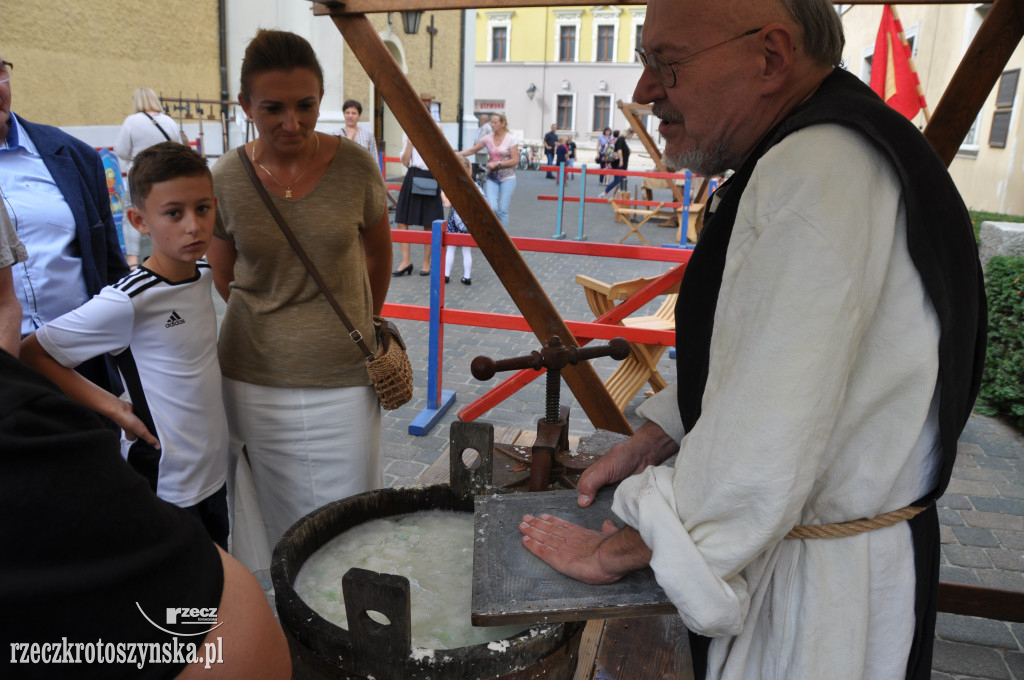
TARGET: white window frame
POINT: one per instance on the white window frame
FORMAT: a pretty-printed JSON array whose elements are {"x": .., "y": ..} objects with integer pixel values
[
  {"x": 611, "y": 109},
  {"x": 973, "y": 17},
  {"x": 639, "y": 17},
  {"x": 567, "y": 17},
  {"x": 606, "y": 17},
  {"x": 911, "y": 35},
  {"x": 574, "y": 113},
  {"x": 866, "y": 55},
  {"x": 499, "y": 19},
  {"x": 869, "y": 52}
]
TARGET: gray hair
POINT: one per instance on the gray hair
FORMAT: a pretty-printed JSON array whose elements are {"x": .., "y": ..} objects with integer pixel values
[
  {"x": 144, "y": 99},
  {"x": 822, "y": 27}
]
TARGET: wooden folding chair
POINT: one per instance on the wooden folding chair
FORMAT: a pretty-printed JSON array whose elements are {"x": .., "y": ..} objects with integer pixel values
[
  {"x": 626, "y": 214},
  {"x": 641, "y": 366}
]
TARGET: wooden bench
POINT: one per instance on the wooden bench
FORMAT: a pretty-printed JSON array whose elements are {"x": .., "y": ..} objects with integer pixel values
[{"x": 641, "y": 366}]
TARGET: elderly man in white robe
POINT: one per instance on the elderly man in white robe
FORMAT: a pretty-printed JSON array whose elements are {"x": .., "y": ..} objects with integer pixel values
[{"x": 833, "y": 334}]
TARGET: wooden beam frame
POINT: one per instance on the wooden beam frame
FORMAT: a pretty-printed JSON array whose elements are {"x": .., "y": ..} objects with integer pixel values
[
  {"x": 483, "y": 224},
  {"x": 338, "y": 7},
  {"x": 982, "y": 64},
  {"x": 984, "y": 61}
]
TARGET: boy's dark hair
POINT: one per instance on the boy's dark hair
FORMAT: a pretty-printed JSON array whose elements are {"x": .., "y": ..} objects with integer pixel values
[
  {"x": 160, "y": 163},
  {"x": 277, "y": 50}
]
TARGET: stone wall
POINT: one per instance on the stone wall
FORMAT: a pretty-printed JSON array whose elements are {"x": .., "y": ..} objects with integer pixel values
[{"x": 1001, "y": 238}]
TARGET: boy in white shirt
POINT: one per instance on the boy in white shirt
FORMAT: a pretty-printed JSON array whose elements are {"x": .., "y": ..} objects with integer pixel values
[{"x": 163, "y": 314}]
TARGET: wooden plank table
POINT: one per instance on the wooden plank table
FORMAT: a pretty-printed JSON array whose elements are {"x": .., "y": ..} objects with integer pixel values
[{"x": 639, "y": 648}]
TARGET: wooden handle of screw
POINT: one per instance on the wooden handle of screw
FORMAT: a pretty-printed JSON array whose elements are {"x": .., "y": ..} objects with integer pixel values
[
  {"x": 484, "y": 368},
  {"x": 617, "y": 348}
]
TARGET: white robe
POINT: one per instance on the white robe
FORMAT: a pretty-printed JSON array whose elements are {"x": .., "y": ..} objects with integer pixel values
[{"x": 819, "y": 408}]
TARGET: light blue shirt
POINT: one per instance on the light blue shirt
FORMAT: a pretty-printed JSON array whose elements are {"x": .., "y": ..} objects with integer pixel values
[{"x": 50, "y": 283}]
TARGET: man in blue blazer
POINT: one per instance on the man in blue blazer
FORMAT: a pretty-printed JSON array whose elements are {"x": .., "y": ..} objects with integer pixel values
[{"x": 71, "y": 255}]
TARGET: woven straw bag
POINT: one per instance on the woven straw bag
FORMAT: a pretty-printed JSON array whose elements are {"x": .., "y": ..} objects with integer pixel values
[{"x": 389, "y": 368}]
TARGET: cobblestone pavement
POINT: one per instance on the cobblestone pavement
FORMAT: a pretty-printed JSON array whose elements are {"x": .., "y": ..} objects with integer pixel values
[{"x": 982, "y": 514}]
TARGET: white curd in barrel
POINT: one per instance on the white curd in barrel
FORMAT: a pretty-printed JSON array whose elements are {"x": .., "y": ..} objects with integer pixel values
[{"x": 433, "y": 549}]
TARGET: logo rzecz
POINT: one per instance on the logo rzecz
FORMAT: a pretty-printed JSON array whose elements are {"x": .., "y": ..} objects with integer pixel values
[
  {"x": 174, "y": 320},
  {"x": 184, "y": 620},
  {"x": 191, "y": 615}
]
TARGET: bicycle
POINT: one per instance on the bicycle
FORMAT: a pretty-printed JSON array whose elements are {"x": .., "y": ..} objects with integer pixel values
[
  {"x": 480, "y": 174},
  {"x": 535, "y": 157},
  {"x": 525, "y": 155}
]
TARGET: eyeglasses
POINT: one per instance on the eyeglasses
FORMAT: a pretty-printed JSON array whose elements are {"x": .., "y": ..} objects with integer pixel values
[
  {"x": 5, "y": 71},
  {"x": 662, "y": 67}
]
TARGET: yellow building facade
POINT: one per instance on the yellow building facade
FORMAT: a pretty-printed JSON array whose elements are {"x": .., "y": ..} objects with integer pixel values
[
  {"x": 562, "y": 66},
  {"x": 539, "y": 35}
]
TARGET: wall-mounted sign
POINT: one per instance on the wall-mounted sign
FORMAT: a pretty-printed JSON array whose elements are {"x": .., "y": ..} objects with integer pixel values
[{"x": 488, "y": 104}]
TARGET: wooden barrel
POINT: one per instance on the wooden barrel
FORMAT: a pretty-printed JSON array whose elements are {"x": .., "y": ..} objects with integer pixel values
[{"x": 322, "y": 650}]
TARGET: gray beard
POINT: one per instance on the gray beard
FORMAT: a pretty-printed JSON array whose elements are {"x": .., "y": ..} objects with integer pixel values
[{"x": 709, "y": 162}]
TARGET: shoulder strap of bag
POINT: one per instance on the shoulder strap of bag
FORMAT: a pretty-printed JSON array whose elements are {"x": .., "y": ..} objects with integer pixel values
[
  {"x": 353, "y": 332},
  {"x": 143, "y": 459},
  {"x": 153, "y": 121}
]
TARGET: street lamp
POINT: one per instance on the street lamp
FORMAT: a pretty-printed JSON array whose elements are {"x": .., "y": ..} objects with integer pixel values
[
  {"x": 531, "y": 90},
  {"x": 411, "y": 21}
]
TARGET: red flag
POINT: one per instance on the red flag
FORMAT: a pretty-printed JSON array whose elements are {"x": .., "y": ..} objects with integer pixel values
[{"x": 893, "y": 76}]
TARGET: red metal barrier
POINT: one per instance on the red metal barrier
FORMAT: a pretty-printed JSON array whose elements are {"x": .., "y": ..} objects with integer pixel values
[
  {"x": 517, "y": 381},
  {"x": 603, "y": 328},
  {"x": 383, "y": 161}
]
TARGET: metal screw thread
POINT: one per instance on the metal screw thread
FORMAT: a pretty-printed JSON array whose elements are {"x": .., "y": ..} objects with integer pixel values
[{"x": 554, "y": 385}]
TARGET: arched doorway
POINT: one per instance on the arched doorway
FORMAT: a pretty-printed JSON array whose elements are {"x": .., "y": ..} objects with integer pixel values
[{"x": 386, "y": 127}]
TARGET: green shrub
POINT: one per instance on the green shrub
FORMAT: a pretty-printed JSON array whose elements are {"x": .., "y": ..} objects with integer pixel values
[{"x": 1002, "y": 384}]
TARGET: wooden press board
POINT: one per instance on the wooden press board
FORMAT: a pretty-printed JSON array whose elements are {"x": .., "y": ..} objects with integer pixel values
[{"x": 511, "y": 585}]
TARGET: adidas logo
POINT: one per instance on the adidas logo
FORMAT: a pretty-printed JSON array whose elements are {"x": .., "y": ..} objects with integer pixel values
[{"x": 174, "y": 320}]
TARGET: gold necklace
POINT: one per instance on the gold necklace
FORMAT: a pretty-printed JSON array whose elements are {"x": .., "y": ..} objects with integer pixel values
[{"x": 288, "y": 188}]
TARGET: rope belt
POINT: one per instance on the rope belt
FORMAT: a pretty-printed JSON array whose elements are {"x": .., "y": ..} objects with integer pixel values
[{"x": 854, "y": 527}]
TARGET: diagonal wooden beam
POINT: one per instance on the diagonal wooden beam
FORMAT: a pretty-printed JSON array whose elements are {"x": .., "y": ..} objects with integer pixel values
[
  {"x": 974, "y": 79},
  {"x": 492, "y": 239}
]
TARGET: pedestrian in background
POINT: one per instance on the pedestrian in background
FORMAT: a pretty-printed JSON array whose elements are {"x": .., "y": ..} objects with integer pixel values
[
  {"x": 419, "y": 201},
  {"x": 361, "y": 136},
  {"x": 620, "y": 161},
  {"x": 149, "y": 125},
  {"x": 503, "y": 157},
  {"x": 602, "y": 146},
  {"x": 481, "y": 132},
  {"x": 485, "y": 127},
  {"x": 455, "y": 225},
  {"x": 550, "y": 140},
  {"x": 562, "y": 155}
]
